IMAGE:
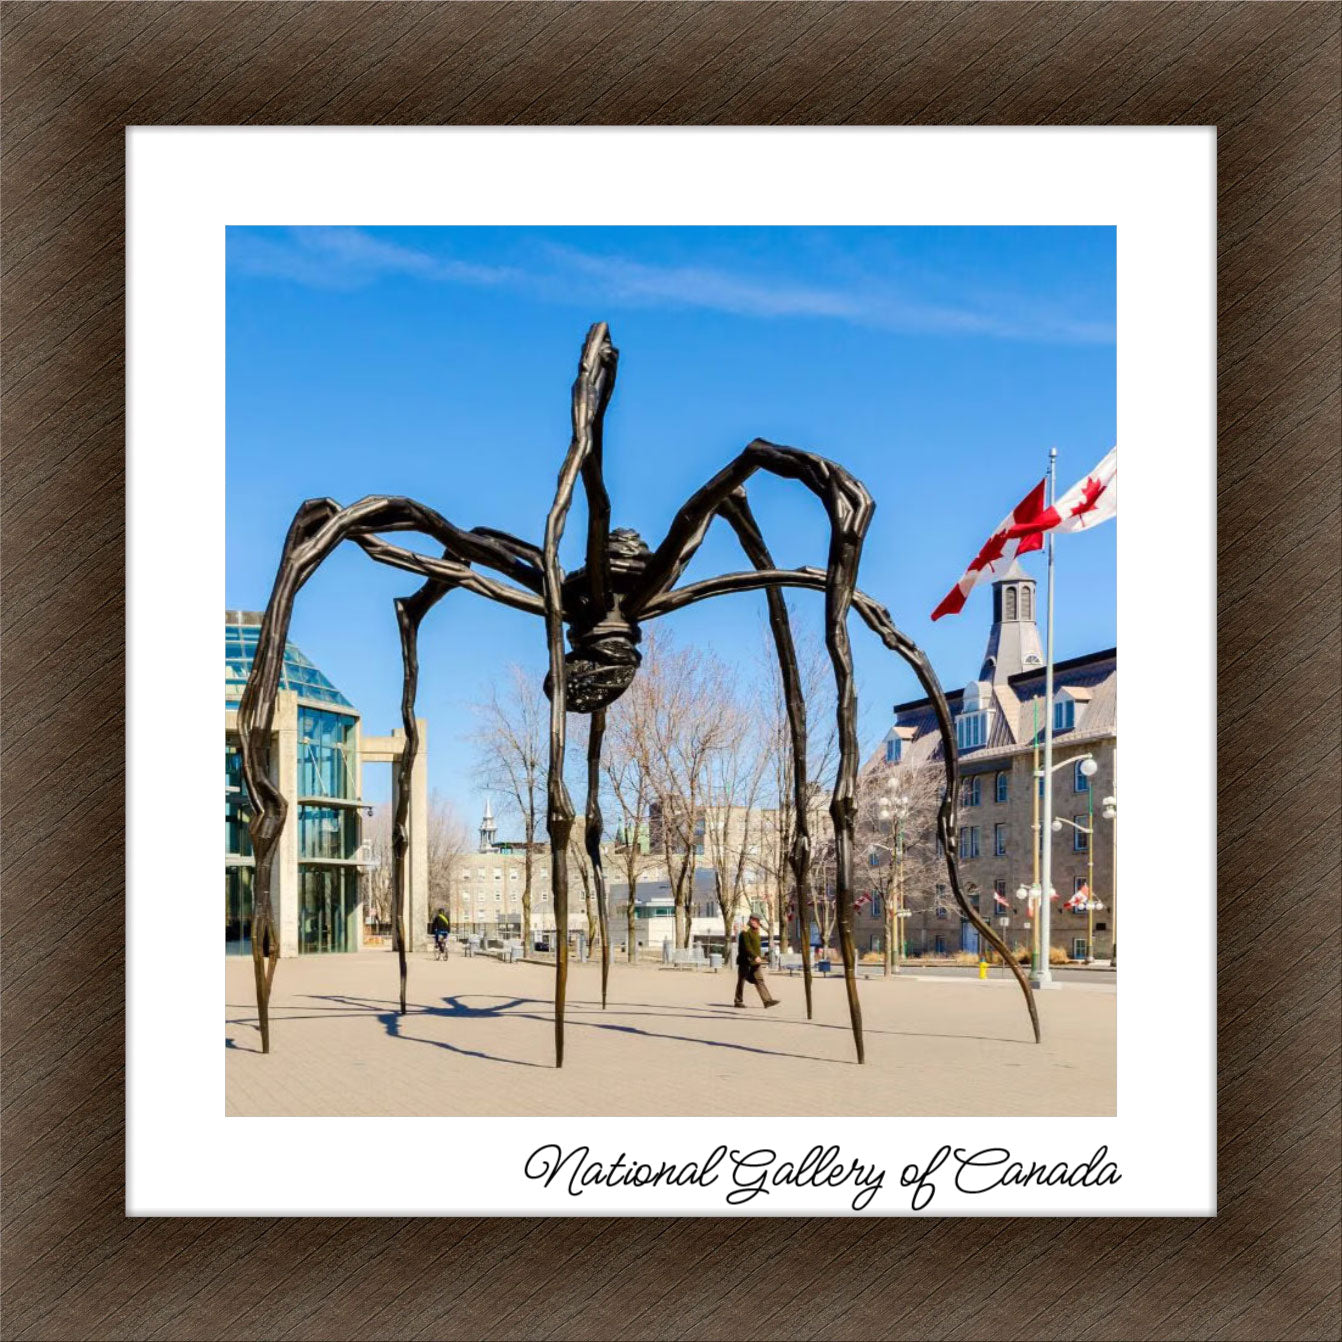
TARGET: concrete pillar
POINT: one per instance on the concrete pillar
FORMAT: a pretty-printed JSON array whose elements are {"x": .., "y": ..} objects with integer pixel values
[{"x": 284, "y": 765}]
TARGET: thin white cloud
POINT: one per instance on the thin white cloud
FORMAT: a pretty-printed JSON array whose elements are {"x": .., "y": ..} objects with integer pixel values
[{"x": 352, "y": 258}]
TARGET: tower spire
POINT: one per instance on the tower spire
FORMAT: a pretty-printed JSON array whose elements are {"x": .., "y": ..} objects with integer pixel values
[
  {"x": 1013, "y": 642},
  {"x": 488, "y": 830}
]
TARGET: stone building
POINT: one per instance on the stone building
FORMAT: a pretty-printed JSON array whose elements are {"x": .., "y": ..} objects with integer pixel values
[
  {"x": 1000, "y": 732},
  {"x": 489, "y": 883}
]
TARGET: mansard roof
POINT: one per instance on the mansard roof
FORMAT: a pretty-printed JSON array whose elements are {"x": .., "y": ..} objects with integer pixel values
[{"x": 1014, "y": 720}]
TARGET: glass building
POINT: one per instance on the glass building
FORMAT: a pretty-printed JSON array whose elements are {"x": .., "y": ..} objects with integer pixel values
[{"x": 315, "y": 755}]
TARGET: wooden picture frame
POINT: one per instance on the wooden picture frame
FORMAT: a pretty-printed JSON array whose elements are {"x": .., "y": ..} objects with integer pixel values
[{"x": 75, "y": 75}]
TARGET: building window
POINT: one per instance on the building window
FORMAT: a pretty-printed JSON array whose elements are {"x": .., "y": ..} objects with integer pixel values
[
  {"x": 1078, "y": 884},
  {"x": 1078, "y": 948},
  {"x": 893, "y": 749},
  {"x": 999, "y": 840},
  {"x": 1064, "y": 715},
  {"x": 974, "y": 901},
  {"x": 325, "y": 754},
  {"x": 1010, "y": 603},
  {"x": 330, "y": 832},
  {"x": 1080, "y": 839},
  {"x": 969, "y": 841},
  {"x": 1080, "y": 783},
  {"x": 875, "y": 906},
  {"x": 328, "y": 909},
  {"x": 939, "y": 945},
  {"x": 1026, "y": 603},
  {"x": 971, "y": 794},
  {"x": 1003, "y": 786},
  {"x": 999, "y": 886},
  {"x": 971, "y": 729}
]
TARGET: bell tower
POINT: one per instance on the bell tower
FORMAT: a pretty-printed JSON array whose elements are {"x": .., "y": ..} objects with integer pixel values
[
  {"x": 488, "y": 830},
  {"x": 1013, "y": 641}
]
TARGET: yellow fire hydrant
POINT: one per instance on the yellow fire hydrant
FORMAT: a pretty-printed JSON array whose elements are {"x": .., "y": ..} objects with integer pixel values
[{"x": 983, "y": 969}]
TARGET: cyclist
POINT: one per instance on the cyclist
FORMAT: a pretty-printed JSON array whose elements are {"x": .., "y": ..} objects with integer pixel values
[{"x": 441, "y": 926}]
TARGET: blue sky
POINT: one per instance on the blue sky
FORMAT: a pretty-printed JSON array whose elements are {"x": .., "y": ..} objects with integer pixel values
[{"x": 937, "y": 364}]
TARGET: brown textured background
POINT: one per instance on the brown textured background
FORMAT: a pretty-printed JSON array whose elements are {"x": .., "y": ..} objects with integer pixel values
[{"x": 1267, "y": 75}]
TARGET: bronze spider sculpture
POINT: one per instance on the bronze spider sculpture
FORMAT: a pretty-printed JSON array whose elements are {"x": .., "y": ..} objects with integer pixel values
[{"x": 621, "y": 585}]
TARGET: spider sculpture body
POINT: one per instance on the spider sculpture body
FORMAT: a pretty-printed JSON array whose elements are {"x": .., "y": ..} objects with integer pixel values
[{"x": 601, "y": 606}]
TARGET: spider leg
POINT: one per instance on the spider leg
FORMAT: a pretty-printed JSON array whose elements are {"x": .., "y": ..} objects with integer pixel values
[
  {"x": 590, "y": 393},
  {"x": 409, "y": 612},
  {"x": 592, "y": 836},
  {"x": 318, "y": 527},
  {"x": 879, "y": 621},
  {"x": 877, "y": 618},
  {"x": 737, "y": 512},
  {"x": 849, "y": 508}
]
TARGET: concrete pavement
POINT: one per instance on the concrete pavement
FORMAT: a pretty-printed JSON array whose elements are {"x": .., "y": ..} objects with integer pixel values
[{"x": 478, "y": 1039}]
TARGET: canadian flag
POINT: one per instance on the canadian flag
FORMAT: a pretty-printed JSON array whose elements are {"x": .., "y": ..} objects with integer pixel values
[
  {"x": 998, "y": 551},
  {"x": 1001, "y": 901},
  {"x": 1088, "y": 503}
]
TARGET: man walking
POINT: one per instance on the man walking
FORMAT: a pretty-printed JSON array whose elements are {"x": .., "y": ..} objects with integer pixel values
[{"x": 750, "y": 965}]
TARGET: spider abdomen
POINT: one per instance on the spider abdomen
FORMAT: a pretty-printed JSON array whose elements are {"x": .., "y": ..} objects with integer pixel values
[{"x": 600, "y": 666}]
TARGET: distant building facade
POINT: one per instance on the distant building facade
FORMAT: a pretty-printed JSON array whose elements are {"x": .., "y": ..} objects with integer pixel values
[
  {"x": 318, "y": 754},
  {"x": 490, "y": 882},
  {"x": 999, "y": 728}
]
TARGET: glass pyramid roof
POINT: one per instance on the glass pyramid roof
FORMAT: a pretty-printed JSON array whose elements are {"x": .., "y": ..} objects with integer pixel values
[{"x": 241, "y": 630}]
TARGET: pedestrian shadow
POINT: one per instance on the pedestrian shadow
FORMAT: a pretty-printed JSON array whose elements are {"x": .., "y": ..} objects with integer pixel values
[{"x": 230, "y": 1042}]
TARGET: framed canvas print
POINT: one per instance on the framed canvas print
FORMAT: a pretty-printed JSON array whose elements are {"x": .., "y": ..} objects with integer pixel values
[
  {"x": 657, "y": 466},
  {"x": 872, "y": 874}
]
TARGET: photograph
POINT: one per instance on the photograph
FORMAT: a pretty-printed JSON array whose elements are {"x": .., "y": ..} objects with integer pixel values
[{"x": 672, "y": 671}]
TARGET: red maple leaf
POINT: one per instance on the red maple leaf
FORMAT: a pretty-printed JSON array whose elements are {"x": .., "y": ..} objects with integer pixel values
[
  {"x": 992, "y": 550},
  {"x": 1090, "y": 491}
]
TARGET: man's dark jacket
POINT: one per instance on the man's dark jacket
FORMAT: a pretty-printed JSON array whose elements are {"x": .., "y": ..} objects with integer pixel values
[{"x": 747, "y": 952}]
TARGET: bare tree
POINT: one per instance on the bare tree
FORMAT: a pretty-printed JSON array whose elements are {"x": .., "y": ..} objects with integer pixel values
[
  {"x": 897, "y": 832},
  {"x": 734, "y": 824},
  {"x": 448, "y": 839},
  {"x": 628, "y": 774},
  {"x": 692, "y": 707},
  {"x": 822, "y": 752},
  {"x": 375, "y": 876},
  {"x": 512, "y": 753}
]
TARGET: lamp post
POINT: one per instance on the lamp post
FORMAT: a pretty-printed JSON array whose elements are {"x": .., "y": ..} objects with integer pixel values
[
  {"x": 1042, "y": 977},
  {"x": 1109, "y": 810},
  {"x": 1029, "y": 896}
]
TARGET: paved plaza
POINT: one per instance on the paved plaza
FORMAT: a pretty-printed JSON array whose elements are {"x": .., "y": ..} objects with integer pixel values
[{"x": 478, "y": 1039}]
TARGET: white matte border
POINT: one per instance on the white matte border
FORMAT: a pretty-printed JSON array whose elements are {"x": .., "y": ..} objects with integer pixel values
[{"x": 186, "y": 184}]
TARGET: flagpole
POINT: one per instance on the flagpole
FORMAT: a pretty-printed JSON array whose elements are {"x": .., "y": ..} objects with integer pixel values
[{"x": 1042, "y": 975}]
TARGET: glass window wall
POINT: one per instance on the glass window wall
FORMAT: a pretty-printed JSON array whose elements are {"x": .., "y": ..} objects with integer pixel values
[
  {"x": 325, "y": 754},
  {"x": 328, "y": 911},
  {"x": 237, "y": 910},
  {"x": 330, "y": 832}
]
